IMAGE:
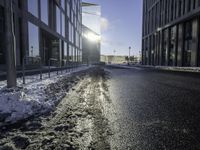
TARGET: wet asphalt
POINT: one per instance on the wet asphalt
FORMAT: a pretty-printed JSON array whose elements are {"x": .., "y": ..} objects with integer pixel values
[{"x": 154, "y": 110}]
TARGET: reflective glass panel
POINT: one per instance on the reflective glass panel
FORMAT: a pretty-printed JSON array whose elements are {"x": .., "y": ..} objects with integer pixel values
[
  {"x": 58, "y": 20},
  {"x": 44, "y": 11},
  {"x": 33, "y": 7},
  {"x": 91, "y": 17},
  {"x": 33, "y": 38}
]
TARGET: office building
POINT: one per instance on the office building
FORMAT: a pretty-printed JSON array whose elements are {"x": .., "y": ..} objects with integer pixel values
[
  {"x": 44, "y": 30},
  {"x": 91, "y": 33},
  {"x": 171, "y": 33},
  {"x": 91, "y": 46}
]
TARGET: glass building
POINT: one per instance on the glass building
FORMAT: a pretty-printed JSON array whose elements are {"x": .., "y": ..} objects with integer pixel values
[
  {"x": 171, "y": 35},
  {"x": 49, "y": 29},
  {"x": 91, "y": 31}
]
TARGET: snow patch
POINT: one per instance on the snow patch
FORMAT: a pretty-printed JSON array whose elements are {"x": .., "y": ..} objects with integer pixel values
[{"x": 33, "y": 98}]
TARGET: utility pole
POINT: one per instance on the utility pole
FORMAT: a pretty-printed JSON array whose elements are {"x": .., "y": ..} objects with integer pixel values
[{"x": 10, "y": 45}]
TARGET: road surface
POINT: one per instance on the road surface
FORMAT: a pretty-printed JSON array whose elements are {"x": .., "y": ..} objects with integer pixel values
[
  {"x": 156, "y": 110},
  {"x": 118, "y": 109}
]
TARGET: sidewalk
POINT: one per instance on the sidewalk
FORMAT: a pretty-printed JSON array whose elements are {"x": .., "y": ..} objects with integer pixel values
[
  {"x": 36, "y": 97},
  {"x": 169, "y": 68},
  {"x": 166, "y": 68}
]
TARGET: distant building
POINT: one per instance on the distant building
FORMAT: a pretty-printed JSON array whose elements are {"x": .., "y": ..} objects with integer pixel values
[
  {"x": 113, "y": 59},
  {"x": 171, "y": 35},
  {"x": 119, "y": 59},
  {"x": 46, "y": 29}
]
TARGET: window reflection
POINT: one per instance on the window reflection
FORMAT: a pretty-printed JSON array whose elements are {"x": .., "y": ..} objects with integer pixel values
[
  {"x": 44, "y": 11},
  {"x": 58, "y": 20},
  {"x": 33, "y": 37},
  {"x": 91, "y": 17},
  {"x": 63, "y": 25},
  {"x": 65, "y": 50},
  {"x": 33, "y": 7},
  {"x": 63, "y": 4}
]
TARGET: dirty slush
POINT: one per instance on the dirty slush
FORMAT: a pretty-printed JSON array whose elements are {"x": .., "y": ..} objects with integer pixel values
[{"x": 80, "y": 120}]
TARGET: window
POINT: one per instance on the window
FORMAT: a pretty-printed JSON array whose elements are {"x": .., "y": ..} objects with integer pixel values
[
  {"x": 70, "y": 53},
  {"x": 188, "y": 44},
  {"x": 58, "y": 20},
  {"x": 172, "y": 48},
  {"x": 44, "y": 11},
  {"x": 63, "y": 25},
  {"x": 33, "y": 38},
  {"x": 63, "y": 4},
  {"x": 33, "y": 7},
  {"x": 65, "y": 51},
  {"x": 68, "y": 10}
]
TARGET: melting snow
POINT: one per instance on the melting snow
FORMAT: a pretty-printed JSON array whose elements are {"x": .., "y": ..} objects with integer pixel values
[{"x": 30, "y": 99}]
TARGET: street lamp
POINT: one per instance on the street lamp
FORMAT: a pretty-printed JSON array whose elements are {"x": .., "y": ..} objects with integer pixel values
[
  {"x": 129, "y": 55},
  {"x": 114, "y": 55}
]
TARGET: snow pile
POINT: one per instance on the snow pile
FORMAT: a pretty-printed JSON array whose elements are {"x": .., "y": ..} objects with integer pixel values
[
  {"x": 183, "y": 69},
  {"x": 31, "y": 99}
]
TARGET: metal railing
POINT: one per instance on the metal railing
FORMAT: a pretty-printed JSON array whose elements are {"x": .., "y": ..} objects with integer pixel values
[
  {"x": 61, "y": 66},
  {"x": 49, "y": 65},
  {"x": 24, "y": 67}
]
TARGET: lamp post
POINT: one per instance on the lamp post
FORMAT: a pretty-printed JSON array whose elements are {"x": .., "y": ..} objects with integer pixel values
[
  {"x": 129, "y": 55},
  {"x": 114, "y": 55},
  {"x": 10, "y": 45}
]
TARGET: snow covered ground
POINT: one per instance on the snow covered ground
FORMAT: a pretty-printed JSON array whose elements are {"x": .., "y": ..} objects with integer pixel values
[
  {"x": 183, "y": 69},
  {"x": 36, "y": 97}
]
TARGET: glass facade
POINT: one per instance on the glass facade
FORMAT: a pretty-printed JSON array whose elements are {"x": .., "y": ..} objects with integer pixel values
[
  {"x": 33, "y": 7},
  {"x": 188, "y": 44},
  {"x": 44, "y": 11},
  {"x": 63, "y": 4},
  {"x": 92, "y": 17},
  {"x": 44, "y": 31},
  {"x": 65, "y": 53},
  {"x": 63, "y": 25},
  {"x": 58, "y": 20},
  {"x": 176, "y": 22},
  {"x": 33, "y": 38}
]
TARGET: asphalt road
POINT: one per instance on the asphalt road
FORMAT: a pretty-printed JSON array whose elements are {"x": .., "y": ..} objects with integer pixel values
[
  {"x": 120, "y": 109},
  {"x": 154, "y": 110}
]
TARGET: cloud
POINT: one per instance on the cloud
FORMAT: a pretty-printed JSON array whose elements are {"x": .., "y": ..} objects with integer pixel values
[{"x": 104, "y": 24}]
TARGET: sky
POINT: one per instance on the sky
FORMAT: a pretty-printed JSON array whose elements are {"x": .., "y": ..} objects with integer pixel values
[{"x": 121, "y": 26}]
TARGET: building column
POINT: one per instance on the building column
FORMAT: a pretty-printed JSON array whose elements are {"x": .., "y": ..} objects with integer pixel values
[
  {"x": 24, "y": 30},
  {"x": 194, "y": 43},
  {"x": 180, "y": 45}
]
